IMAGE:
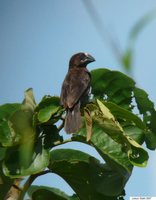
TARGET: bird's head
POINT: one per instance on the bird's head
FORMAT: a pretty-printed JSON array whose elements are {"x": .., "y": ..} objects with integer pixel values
[{"x": 80, "y": 60}]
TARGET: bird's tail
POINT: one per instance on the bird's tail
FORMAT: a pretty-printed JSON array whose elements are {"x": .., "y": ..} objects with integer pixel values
[{"x": 73, "y": 120}]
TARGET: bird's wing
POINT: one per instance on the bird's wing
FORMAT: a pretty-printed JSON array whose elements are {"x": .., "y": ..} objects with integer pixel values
[{"x": 75, "y": 84}]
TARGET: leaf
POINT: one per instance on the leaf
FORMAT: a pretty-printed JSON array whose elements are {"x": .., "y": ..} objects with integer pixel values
[
  {"x": 38, "y": 160},
  {"x": 16, "y": 120},
  {"x": 88, "y": 121},
  {"x": 105, "y": 111},
  {"x": 109, "y": 150},
  {"x": 142, "y": 156},
  {"x": 48, "y": 100},
  {"x": 22, "y": 131},
  {"x": 2, "y": 153},
  {"x": 137, "y": 155},
  {"x": 48, "y": 107},
  {"x": 21, "y": 124},
  {"x": 42, "y": 192},
  {"x": 112, "y": 86},
  {"x": 7, "y": 110},
  {"x": 127, "y": 58},
  {"x": 106, "y": 181},
  {"x": 150, "y": 139},
  {"x": 118, "y": 91},
  {"x": 85, "y": 174},
  {"x": 5, "y": 183},
  {"x": 45, "y": 114},
  {"x": 143, "y": 102},
  {"x": 46, "y": 194},
  {"x": 7, "y": 135},
  {"x": 135, "y": 133},
  {"x": 144, "y": 21},
  {"x": 146, "y": 107},
  {"x": 29, "y": 103},
  {"x": 131, "y": 123},
  {"x": 109, "y": 125},
  {"x": 51, "y": 136},
  {"x": 13, "y": 130},
  {"x": 121, "y": 113}
]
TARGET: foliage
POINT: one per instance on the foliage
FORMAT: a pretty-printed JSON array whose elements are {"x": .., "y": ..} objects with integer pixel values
[
  {"x": 127, "y": 57},
  {"x": 29, "y": 132}
]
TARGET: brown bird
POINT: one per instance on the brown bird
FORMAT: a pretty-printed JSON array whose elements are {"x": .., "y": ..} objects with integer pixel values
[{"x": 75, "y": 89}]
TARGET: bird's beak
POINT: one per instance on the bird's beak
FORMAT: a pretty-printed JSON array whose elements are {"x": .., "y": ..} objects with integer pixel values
[{"x": 90, "y": 58}]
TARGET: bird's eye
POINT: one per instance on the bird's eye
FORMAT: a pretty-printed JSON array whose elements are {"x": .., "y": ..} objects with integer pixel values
[{"x": 82, "y": 58}]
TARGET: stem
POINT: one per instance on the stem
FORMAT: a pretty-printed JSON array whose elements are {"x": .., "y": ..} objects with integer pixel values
[
  {"x": 14, "y": 191},
  {"x": 64, "y": 142},
  {"x": 29, "y": 182},
  {"x": 61, "y": 126}
]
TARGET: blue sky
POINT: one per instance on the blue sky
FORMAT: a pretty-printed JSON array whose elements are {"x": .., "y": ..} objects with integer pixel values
[{"x": 38, "y": 37}]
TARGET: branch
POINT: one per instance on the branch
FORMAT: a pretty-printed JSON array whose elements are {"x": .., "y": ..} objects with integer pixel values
[
  {"x": 29, "y": 182},
  {"x": 61, "y": 126},
  {"x": 15, "y": 191},
  {"x": 102, "y": 30}
]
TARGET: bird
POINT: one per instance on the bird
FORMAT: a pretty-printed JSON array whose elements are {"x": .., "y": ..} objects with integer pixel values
[{"x": 75, "y": 90}]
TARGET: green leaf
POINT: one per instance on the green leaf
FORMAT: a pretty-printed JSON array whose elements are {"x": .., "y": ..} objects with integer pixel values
[
  {"x": 137, "y": 155},
  {"x": 21, "y": 121},
  {"x": 110, "y": 126},
  {"x": 88, "y": 120},
  {"x": 135, "y": 133},
  {"x": 125, "y": 115},
  {"x": 146, "y": 108},
  {"x": 42, "y": 192},
  {"x": 7, "y": 135},
  {"x": 16, "y": 120},
  {"x": 142, "y": 156},
  {"x": 29, "y": 103},
  {"x": 143, "y": 102},
  {"x": 45, "y": 114},
  {"x": 111, "y": 151},
  {"x": 105, "y": 111},
  {"x": 51, "y": 136},
  {"x": 131, "y": 123},
  {"x": 108, "y": 123},
  {"x": 118, "y": 91},
  {"x": 150, "y": 139},
  {"x": 127, "y": 59},
  {"x": 37, "y": 159},
  {"x": 5, "y": 183},
  {"x": 14, "y": 130},
  {"x": 48, "y": 100},
  {"x": 2, "y": 153},
  {"x": 68, "y": 155},
  {"x": 48, "y": 107},
  {"x": 86, "y": 175},
  {"x": 144, "y": 21},
  {"x": 106, "y": 181},
  {"x": 7, "y": 110},
  {"x": 112, "y": 86},
  {"x": 46, "y": 194}
]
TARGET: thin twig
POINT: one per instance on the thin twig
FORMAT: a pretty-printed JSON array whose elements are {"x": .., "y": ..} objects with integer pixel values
[
  {"x": 61, "y": 126},
  {"x": 102, "y": 30},
  {"x": 30, "y": 181},
  {"x": 15, "y": 190},
  {"x": 64, "y": 142}
]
